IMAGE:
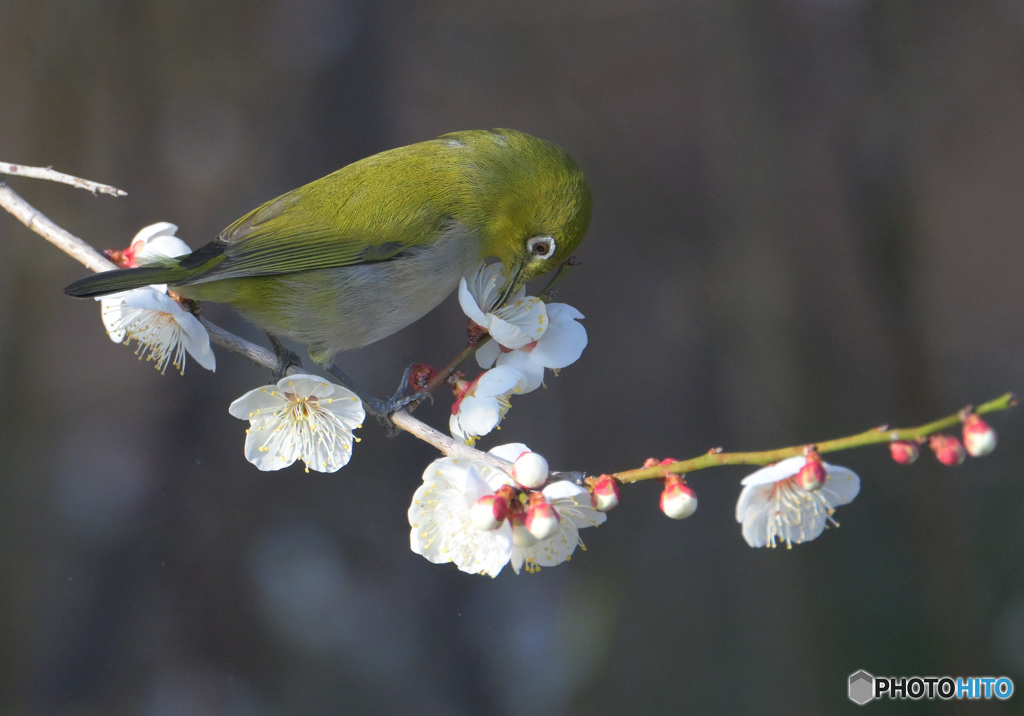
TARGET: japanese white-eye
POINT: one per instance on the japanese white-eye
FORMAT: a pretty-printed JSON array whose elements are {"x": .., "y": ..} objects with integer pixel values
[{"x": 361, "y": 253}]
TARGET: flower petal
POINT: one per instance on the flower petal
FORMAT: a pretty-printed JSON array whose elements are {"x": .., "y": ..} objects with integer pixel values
[
  {"x": 479, "y": 416},
  {"x": 519, "y": 323},
  {"x": 303, "y": 385},
  {"x": 507, "y": 333},
  {"x": 509, "y": 451},
  {"x": 755, "y": 525},
  {"x": 162, "y": 247},
  {"x": 149, "y": 233},
  {"x": 778, "y": 471},
  {"x": 470, "y": 306},
  {"x": 564, "y": 340},
  {"x": 487, "y": 354},
  {"x": 841, "y": 486},
  {"x": 751, "y": 497},
  {"x": 152, "y": 299},
  {"x": 112, "y": 315},
  {"x": 498, "y": 381},
  {"x": 269, "y": 446},
  {"x": 531, "y": 369},
  {"x": 258, "y": 400},
  {"x": 197, "y": 340}
]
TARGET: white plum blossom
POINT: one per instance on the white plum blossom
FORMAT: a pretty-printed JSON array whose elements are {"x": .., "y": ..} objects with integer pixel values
[
  {"x": 162, "y": 328},
  {"x": 522, "y": 320},
  {"x": 302, "y": 417},
  {"x": 560, "y": 345},
  {"x": 773, "y": 506},
  {"x": 440, "y": 516},
  {"x": 484, "y": 403},
  {"x": 443, "y": 528}
]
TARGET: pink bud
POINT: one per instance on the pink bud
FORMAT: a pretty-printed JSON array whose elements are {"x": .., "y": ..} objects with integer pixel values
[
  {"x": 812, "y": 475},
  {"x": 947, "y": 449},
  {"x": 979, "y": 437},
  {"x": 460, "y": 388},
  {"x": 604, "y": 493},
  {"x": 124, "y": 258},
  {"x": 530, "y": 470},
  {"x": 904, "y": 451},
  {"x": 678, "y": 500},
  {"x": 541, "y": 518},
  {"x": 489, "y": 512}
]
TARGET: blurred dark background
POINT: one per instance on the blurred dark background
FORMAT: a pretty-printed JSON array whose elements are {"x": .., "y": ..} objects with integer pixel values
[{"x": 808, "y": 220}]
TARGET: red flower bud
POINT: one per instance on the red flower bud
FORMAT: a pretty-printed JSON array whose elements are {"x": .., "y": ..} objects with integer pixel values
[
  {"x": 678, "y": 500},
  {"x": 541, "y": 518},
  {"x": 904, "y": 451},
  {"x": 604, "y": 493},
  {"x": 489, "y": 512},
  {"x": 812, "y": 475},
  {"x": 979, "y": 437},
  {"x": 947, "y": 449}
]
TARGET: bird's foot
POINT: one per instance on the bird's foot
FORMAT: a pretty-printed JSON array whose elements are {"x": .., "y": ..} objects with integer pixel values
[
  {"x": 383, "y": 409},
  {"x": 286, "y": 358}
]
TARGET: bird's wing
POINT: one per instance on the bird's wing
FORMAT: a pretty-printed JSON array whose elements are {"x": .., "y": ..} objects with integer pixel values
[{"x": 283, "y": 236}]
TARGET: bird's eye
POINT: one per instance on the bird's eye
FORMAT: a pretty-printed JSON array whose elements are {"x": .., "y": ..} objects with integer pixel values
[{"x": 541, "y": 247}]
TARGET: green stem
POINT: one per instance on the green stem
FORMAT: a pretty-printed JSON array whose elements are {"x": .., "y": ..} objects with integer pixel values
[
  {"x": 442, "y": 375},
  {"x": 882, "y": 434}
]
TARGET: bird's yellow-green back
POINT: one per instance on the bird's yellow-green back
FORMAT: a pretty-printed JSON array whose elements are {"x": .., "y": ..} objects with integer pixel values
[{"x": 504, "y": 186}]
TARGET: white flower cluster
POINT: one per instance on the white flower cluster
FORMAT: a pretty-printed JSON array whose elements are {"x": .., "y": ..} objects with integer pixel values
[
  {"x": 527, "y": 337},
  {"x": 482, "y": 518}
]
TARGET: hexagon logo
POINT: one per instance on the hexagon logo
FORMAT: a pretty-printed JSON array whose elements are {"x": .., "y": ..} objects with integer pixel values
[{"x": 862, "y": 687}]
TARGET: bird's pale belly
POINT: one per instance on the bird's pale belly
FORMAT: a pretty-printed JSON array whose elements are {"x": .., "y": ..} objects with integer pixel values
[{"x": 338, "y": 309}]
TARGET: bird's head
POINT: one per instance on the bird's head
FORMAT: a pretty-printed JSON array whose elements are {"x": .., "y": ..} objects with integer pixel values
[{"x": 539, "y": 205}]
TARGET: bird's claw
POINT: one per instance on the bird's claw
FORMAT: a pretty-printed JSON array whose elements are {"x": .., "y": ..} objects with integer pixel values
[
  {"x": 383, "y": 409},
  {"x": 286, "y": 358}
]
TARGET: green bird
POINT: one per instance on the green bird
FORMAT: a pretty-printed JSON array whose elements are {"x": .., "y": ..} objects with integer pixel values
[{"x": 359, "y": 254}]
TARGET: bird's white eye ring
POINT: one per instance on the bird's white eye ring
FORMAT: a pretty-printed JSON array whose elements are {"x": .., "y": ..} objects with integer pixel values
[{"x": 541, "y": 247}]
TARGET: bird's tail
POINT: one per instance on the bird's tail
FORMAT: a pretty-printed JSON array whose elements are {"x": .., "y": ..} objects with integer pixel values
[{"x": 105, "y": 282}]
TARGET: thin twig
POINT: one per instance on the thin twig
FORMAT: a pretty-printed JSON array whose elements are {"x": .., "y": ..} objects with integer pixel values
[
  {"x": 50, "y": 174},
  {"x": 68, "y": 243},
  {"x": 236, "y": 344},
  {"x": 447, "y": 445}
]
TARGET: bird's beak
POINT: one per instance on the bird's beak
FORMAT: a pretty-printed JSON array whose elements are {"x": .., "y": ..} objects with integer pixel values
[{"x": 515, "y": 280}]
